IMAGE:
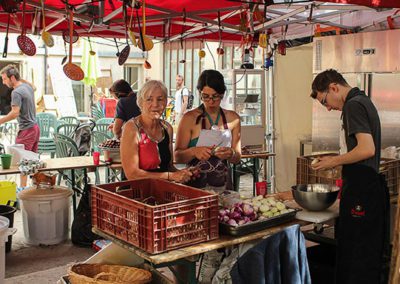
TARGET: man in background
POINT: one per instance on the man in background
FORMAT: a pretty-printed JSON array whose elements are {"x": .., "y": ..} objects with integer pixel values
[
  {"x": 181, "y": 98},
  {"x": 23, "y": 109}
]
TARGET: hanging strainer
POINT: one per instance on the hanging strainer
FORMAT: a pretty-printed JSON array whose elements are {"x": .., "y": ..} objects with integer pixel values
[
  {"x": 71, "y": 70},
  {"x": 26, "y": 45}
]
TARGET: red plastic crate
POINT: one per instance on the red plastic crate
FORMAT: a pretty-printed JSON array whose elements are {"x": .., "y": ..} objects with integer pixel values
[{"x": 188, "y": 215}]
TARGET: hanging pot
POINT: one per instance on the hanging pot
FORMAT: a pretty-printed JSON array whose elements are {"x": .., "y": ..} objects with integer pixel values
[
  {"x": 26, "y": 45},
  {"x": 72, "y": 71},
  {"x": 46, "y": 36}
]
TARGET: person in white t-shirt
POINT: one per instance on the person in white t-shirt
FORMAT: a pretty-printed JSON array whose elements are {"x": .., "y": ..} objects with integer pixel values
[{"x": 181, "y": 98}]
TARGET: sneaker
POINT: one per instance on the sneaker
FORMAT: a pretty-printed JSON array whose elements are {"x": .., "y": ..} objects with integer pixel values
[{"x": 209, "y": 265}]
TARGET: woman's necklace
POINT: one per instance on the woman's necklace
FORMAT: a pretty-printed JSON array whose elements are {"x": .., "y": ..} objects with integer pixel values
[{"x": 214, "y": 125}]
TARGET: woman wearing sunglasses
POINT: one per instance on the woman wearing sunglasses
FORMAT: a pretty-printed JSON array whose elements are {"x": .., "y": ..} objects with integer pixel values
[{"x": 209, "y": 137}]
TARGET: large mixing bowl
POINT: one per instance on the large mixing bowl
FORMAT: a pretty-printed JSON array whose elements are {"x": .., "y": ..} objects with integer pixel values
[{"x": 315, "y": 197}]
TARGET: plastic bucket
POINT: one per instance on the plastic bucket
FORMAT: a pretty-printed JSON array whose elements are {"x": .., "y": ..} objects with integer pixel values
[
  {"x": 8, "y": 191},
  {"x": 8, "y": 212},
  {"x": 4, "y": 233},
  {"x": 45, "y": 215}
]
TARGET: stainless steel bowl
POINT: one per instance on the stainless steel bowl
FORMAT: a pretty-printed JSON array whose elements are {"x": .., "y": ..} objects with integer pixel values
[{"x": 315, "y": 197}]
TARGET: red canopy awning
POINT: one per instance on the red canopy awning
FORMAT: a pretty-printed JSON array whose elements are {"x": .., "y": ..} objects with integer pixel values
[{"x": 226, "y": 20}]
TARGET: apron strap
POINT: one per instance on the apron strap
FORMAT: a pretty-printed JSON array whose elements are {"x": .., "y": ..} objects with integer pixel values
[
  {"x": 224, "y": 119},
  {"x": 203, "y": 123}
]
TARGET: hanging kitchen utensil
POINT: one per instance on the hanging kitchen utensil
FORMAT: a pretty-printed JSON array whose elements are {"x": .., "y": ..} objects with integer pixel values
[
  {"x": 116, "y": 44},
  {"x": 66, "y": 56},
  {"x": 127, "y": 49},
  {"x": 6, "y": 39},
  {"x": 91, "y": 52},
  {"x": 10, "y": 6},
  {"x": 72, "y": 71},
  {"x": 34, "y": 21},
  {"x": 26, "y": 45},
  {"x": 46, "y": 36},
  {"x": 148, "y": 43},
  {"x": 67, "y": 36},
  {"x": 123, "y": 56},
  {"x": 131, "y": 32},
  {"x": 220, "y": 50},
  {"x": 147, "y": 65}
]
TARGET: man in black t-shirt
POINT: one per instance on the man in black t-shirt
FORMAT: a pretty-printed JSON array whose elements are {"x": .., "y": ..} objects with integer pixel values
[
  {"x": 363, "y": 218},
  {"x": 127, "y": 107}
]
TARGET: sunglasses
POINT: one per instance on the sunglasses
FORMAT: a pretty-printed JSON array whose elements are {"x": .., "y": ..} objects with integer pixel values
[{"x": 213, "y": 97}]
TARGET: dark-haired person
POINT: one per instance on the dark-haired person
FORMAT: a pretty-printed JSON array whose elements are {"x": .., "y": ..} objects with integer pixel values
[
  {"x": 364, "y": 217},
  {"x": 23, "y": 109},
  {"x": 127, "y": 107},
  {"x": 209, "y": 136}
]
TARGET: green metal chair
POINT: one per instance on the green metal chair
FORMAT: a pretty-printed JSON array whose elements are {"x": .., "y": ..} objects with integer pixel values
[
  {"x": 66, "y": 129},
  {"x": 47, "y": 123},
  {"x": 97, "y": 138},
  {"x": 102, "y": 125},
  {"x": 66, "y": 147},
  {"x": 70, "y": 119},
  {"x": 97, "y": 111}
]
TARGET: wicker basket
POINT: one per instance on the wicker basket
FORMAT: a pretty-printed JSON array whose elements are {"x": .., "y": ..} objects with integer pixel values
[{"x": 107, "y": 274}]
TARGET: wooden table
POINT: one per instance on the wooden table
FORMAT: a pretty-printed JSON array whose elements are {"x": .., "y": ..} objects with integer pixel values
[
  {"x": 256, "y": 156},
  {"x": 60, "y": 164},
  {"x": 188, "y": 256}
]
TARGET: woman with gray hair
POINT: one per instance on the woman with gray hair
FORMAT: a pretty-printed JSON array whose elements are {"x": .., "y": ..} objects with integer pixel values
[{"x": 146, "y": 143}]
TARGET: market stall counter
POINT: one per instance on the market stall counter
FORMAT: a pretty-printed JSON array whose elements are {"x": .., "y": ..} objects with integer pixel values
[{"x": 183, "y": 255}]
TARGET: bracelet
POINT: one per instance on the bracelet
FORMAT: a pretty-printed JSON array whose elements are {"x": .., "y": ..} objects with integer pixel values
[{"x": 233, "y": 153}]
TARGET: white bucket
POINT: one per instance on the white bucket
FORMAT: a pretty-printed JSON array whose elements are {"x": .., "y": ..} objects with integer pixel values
[
  {"x": 45, "y": 215},
  {"x": 4, "y": 233}
]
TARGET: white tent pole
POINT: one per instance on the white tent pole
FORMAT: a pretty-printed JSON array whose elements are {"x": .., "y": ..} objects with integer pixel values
[{"x": 271, "y": 126}]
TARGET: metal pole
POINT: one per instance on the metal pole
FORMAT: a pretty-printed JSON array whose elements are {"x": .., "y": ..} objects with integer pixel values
[{"x": 271, "y": 128}]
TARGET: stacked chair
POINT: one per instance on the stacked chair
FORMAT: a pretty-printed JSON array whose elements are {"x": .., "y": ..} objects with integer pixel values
[{"x": 47, "y": 123}]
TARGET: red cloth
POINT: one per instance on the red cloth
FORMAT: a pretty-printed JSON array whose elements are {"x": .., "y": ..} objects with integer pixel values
[{"x": 149, "y": 158}]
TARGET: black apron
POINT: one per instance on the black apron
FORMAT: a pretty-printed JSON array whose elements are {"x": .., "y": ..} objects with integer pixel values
[{"x": 363, "y": 229}]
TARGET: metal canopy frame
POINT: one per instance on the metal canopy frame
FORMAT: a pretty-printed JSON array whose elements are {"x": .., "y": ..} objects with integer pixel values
[{"x": 168, "y": 24}]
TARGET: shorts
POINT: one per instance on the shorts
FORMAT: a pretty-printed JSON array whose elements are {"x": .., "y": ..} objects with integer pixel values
[{"x": 29, "y": 138}]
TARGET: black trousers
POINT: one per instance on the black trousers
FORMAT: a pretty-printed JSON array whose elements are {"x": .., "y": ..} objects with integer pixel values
[{"x": 363, "y": 231}]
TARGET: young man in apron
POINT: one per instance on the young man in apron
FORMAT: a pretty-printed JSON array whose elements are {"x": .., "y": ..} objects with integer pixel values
[{"x": 363, "y": 233}]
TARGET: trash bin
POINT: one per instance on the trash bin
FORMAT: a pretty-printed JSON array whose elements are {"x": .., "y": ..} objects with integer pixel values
[
  {"x": 8, "y": 212},
  {"x": 4, "y": 232},
  {"x": 45, "y": 214}
]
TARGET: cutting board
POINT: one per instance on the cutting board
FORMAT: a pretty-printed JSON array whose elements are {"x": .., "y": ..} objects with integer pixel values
[{"x": 318, "y": 216}]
